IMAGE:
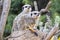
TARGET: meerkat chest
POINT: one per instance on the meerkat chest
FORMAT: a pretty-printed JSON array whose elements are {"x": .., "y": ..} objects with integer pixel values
[{"x": 29, "y": 21}]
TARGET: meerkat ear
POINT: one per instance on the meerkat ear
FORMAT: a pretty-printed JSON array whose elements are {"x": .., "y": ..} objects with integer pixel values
[
  {"x": 22, "y": 8},
  {"x": 31, "y": 14}
]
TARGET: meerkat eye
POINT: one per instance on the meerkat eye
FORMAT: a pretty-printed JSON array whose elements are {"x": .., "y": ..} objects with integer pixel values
[
  {"x": 31, "y": 14},
  {"x": 29, "y": 6},
  {"x": 35, "y": 13},
  {"x": 25, "y": 6}
]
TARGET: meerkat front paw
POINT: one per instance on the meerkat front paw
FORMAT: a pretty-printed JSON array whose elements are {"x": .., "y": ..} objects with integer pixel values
[{"x": 33, "y": 31}]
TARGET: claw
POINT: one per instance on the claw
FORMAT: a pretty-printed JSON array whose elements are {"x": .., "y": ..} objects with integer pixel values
[{"x": 33, "y": 31}]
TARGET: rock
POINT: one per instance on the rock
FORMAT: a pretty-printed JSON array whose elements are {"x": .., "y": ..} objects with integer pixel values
[{"x": 26, "y": 35}]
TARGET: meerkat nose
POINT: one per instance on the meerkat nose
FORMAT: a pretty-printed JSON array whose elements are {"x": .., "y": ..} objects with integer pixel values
[{"x": 28, "y": 7}]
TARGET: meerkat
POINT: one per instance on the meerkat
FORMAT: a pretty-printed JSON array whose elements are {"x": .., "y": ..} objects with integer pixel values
[
  {"x": 25, "y": 10},
  {"x": 28, "y": 21}
]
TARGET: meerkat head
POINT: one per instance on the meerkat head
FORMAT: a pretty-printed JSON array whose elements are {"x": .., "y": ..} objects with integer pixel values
[
  {"x": 34, "y": 14},
  {"x": 27, "y": 8}
]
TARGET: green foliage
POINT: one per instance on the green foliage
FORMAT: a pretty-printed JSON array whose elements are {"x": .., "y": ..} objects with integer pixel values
[
  {"x": 16, "y": 6},
  {"x": 55, "y": 6},
  {"x": 9, "y": 24},
  {"x": 43, "y": 18},
  {"x": 28, "y": 2},
  {"x": 55, "y": 9},
  {"x": 10, "y": 19}
]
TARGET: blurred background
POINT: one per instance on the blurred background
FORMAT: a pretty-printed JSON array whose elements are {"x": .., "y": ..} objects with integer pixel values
[{"x": 16, "y": 8}]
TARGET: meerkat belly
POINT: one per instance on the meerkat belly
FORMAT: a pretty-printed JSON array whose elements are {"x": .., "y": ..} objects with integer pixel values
[{"x": 21, "y": 24}]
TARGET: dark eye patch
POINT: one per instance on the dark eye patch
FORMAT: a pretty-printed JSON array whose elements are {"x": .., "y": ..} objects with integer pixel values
[
  {"x": 29, "y": 6},
  {"x": 35, "y": 13},
  {"x": 31, "y": 14},
  {"x": 25, "y": 6}
]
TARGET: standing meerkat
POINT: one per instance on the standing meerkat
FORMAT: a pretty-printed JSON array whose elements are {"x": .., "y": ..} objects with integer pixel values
[{"x": 25, "y": 10}]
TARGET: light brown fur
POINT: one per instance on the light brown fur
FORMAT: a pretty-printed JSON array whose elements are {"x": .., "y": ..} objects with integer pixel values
[{"x": 18, "y": 18}]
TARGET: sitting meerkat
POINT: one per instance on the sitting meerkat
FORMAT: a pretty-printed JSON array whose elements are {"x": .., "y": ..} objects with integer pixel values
[
  {"x": 25, "y": 10},
  {"x": 28, "y": 21}
]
